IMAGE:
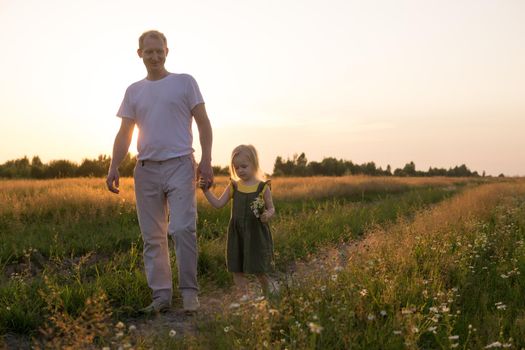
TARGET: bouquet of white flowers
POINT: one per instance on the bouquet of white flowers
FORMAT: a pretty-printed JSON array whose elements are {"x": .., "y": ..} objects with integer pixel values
[{"x": 257, "y": 206}]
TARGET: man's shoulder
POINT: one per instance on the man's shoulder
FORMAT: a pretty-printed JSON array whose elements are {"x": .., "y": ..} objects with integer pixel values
[
  {"x": 136, "y": 84},
  {"x": 183, "y": 76}
]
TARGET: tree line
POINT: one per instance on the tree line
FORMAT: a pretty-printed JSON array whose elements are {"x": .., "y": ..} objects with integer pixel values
[
  {"x": 298, "y": 165},
  {"x": 23, "y": 168}
]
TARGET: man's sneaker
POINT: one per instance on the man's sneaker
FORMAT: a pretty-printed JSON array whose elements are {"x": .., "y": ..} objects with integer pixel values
[
  {"x": 190, "y": 303},
  {"x": 157, "y": 306}
]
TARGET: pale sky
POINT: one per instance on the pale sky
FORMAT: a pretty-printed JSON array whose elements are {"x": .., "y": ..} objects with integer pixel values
[{"x": 439, "y": 83}]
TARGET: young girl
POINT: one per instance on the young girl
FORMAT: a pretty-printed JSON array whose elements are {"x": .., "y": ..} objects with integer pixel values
[{"x": 250, "y": 246}]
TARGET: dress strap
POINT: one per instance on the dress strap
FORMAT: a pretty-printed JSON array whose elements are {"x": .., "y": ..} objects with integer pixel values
[{"x": 263, "y": 185}]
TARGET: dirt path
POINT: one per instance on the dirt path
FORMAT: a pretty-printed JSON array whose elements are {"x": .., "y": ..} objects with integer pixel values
[{"x": 217, "y": 302}]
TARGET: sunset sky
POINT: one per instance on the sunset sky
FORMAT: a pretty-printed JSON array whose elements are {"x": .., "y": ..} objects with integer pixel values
[{"x": 439, "y": 83}]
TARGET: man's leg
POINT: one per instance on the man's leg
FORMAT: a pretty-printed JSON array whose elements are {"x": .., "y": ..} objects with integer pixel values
[
  {"x": 152, "y": 215},
  {"x": 182, "y": 225}
]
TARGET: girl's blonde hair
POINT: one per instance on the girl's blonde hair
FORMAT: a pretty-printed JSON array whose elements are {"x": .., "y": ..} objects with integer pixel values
[{"x": 251, "y": 153}]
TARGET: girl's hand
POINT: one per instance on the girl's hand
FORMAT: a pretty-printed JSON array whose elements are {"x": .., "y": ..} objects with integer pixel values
[
  {"x": 265, "y": 216},
  {"x": 203, "y": 185}
]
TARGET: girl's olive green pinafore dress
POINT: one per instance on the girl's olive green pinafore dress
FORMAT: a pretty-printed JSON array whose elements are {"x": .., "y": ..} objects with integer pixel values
[{"x": 250, "y": 244}]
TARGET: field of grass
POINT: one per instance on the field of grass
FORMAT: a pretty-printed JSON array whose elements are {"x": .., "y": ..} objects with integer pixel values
[
  {"x": 451, "y": 277},
  {"x": 429, "y": 263}
]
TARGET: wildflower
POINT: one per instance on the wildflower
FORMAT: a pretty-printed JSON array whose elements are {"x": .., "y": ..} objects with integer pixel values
[
  {"x": 323, "y": 288},
  {"x": 334, "y": 278},
  {"x": 383, "y": 313},
  {"x": 434, "y": 309},
  {"x": 265, "y": 343},
  {"x": 432, "y": 329},
  {"x": 496, "y": 344},
  {"x": 338, "y": 268},
  {"x": 504, "y": 276},
  {"x": 120, "y": 325},
  {"x": 406, "y": 311},
  {"x": 132, "y": 328},
  {"x": 397, "y": 332},
  {"x": 415, "y": 330},
  {"x": 371, "y": 317},
  {"x": 445, "y": 308},
  {"x": 226, "y": 329},
  {"x": 315, "y": 328},
  {"x": 234, "y": 305},
  {"x": 363, "y": 292},
  {"x": 257, "y": 206},
  {"x": 501, "y": 307},
  {"x": 172, "y": 333},
  {"x": 273, "y": 312},
  {"x": 453, "y": 337}
]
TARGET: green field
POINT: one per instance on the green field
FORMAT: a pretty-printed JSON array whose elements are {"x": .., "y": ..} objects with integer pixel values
[{"x": 378, "y": 263}]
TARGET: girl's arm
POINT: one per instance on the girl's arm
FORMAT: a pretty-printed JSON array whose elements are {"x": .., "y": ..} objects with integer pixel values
[
  {"x": 217, "y": 202},
  {"x": 269, "y": 208}
]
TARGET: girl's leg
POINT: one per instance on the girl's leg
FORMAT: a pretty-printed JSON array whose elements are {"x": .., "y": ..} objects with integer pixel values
[
  {"x": 241, "y": 282},
  {"x": 269, "y": 286},
  {"x": 264, "y": 280}
]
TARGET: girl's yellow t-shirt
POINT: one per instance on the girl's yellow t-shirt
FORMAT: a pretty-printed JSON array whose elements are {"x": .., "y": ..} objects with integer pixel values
[{"x": 246, "y": 188}]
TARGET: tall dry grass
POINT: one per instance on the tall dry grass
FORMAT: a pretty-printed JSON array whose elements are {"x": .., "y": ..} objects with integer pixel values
[
  {"x": 449, "y": 278},
  {"x": 89, "y": 196}
]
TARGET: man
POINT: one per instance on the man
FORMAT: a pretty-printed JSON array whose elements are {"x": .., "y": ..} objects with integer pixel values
[{"x": 162, "y": 106}]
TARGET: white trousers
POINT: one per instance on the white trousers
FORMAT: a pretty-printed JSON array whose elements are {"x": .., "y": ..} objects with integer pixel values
[{"x": 166, "y": 204}]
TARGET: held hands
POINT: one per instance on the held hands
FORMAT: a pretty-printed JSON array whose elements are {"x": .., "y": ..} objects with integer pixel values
[
  {"x": 204, "y": 184},
  {"x": 205, "y": 174}
]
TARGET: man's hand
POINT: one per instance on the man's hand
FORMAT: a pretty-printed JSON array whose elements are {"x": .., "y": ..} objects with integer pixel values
[
  {"x": 120, "y": 148},
  {"x": 205, "y": 173},
  {"x": 112, "y": 181}
]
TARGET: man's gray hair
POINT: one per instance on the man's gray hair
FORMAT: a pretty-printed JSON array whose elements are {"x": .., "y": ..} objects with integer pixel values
[{"x": 154, "y": 34}]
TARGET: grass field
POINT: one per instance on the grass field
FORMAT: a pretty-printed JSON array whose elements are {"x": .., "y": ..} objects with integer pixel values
[{"x": 437, "y": 264}]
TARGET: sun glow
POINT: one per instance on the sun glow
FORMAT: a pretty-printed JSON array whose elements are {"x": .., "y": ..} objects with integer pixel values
[
  {"x": 134, "y": 138},
  {"x": 437, "y": 83}
]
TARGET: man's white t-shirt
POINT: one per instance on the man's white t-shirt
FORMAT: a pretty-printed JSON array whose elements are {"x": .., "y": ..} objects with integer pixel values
[{"x": 162, "y": 111}]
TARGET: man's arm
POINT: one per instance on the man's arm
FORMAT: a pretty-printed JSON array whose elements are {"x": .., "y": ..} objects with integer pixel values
[
  {"x": 206, "y": 139},
  {"x": 120, "y": 149}
]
